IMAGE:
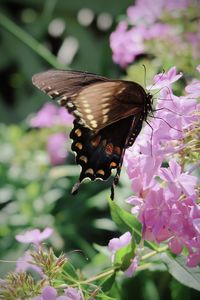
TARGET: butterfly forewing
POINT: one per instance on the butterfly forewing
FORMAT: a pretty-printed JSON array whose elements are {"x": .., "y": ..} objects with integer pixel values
[
  {"x": 57, "y": 83},
  {"x": 96, "y": 100},
  {"x": 103, "y": 103}
]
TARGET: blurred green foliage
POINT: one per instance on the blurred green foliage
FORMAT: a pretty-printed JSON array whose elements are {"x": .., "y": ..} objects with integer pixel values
[{"x": 34, "y": 194}]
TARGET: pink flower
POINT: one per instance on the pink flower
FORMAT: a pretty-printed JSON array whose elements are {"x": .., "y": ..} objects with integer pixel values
[
  {"x": 175, "y": 5},
  {"x": 193, "y": 39},
  {"x": 137, "y": 203},
  {"x": 165, "y": 79},
  {"x": 24, "y": 263},
  {"x": 34, "y": 236},
  {"x": 176, "y": 245},
  {"x": 56, "y": 146},
  {"x": 178, "y": 112},
  {"x": 195, "y": 216},
  {"x": 144, "y": 12},
  {"x": 72, "y": 294},
  {"x": 159, "y": 31},
  {"x": 177, "y": 180},
  {"x": 163, "y": 215},
  {"x": 45, "y": 116},
  {"x": 50, "y": 293},
  {"x": 142, "y": 178},
  {"x": 127, "y": 44},
  {"x": 50, "y": 115},
  {"x": 118, "y": 243},
  {"x": 155, "y": 215},
  {"x": 193, "y": 89},
  {"x": 193, "y": 258},
  {"x": 133, "y": 266},
  {"x": 63, "y": 117}
]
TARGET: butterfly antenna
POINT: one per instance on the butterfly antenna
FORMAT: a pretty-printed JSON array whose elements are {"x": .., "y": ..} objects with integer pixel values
[
  {"x": 145, "y": 75},
  {"x": 160, "y": 77},
  {"x": 174, "y": 112},
  {"x": 165, "y": 122},
  {"x": 164, "y": 87}
]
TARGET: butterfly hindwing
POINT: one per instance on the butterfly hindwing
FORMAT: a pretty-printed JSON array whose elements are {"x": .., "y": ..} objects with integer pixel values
[{"x": 99, "y": 153}]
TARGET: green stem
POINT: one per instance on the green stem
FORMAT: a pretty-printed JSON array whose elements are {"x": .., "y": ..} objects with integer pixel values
[
  {"x": 29, "y": 41},
  {"x": 94, "y": 278},
  {"x": 152, "y": 253},
  {"x": 111, "y": 271},
  {"x": 143, "y": 267}
]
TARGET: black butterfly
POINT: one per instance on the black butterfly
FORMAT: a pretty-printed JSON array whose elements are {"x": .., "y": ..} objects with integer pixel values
[{"x": 108, "y": 118}]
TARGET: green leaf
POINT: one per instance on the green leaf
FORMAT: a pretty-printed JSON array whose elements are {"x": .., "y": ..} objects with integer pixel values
[
  {"x": 124, "y": 255},
  {"x": 106, "y": 283},
  {"x": 150, "y": 290},
  {"x": 105, "y": 297},
  {"x": 70, "y": 271},
  {"x": 125, "y": 220},
  {"x": 178, "y": 269}
]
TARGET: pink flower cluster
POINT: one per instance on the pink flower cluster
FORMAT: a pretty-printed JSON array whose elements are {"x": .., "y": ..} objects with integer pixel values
[
  {"x": 50, "y": 116},
  {"x": 50, "y": 293},
  {"x": 165, "y": 199},
  {"x": 56, "y": 146},
  {"x": 146, "y": 25},
  {"x": 25, "y": 263},
  {"x": 35, "y": 237},
  {"x": 118, "y": 243}
]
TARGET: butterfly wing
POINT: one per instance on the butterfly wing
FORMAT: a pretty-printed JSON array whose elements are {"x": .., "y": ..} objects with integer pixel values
[
  {"x": 57, "y": 83},
  {"x": 108, "y": 117},
  {"x": 103, "y": 103},
  {"x": 95, "y": 100}
]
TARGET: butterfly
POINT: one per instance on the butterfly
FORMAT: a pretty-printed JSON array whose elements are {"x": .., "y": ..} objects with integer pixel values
[{"x": 108, "y": 117}]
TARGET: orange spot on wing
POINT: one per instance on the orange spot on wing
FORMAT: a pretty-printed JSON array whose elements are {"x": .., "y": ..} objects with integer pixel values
[
  {"x": 113, "y": 164},
  {"x": 83, "y": 158},
  {"x": 78, "y": 132},
  {"x": 79, "y": 146},
  {"x": 89, "y": 171},
  {"x": 101, "y": 172},
  {"x": 109, "y": 149}
]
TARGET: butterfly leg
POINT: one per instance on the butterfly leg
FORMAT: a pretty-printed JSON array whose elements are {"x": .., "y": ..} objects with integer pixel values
[
  {"x": 126, "y": 145},
  {"x": 117, "y": 176},
  {"x": 114, "y": 184}
]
